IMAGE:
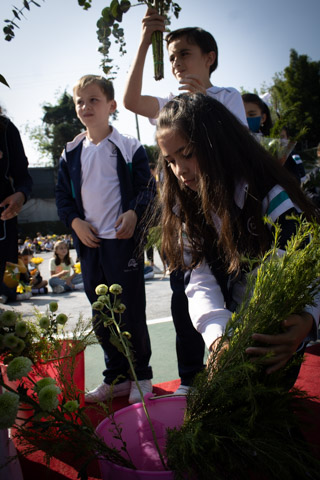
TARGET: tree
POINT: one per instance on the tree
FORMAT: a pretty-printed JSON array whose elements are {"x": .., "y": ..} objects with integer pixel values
[
  {"x": 296, "y": 97},
  {"x": 152, "y": 153},
  {"x": 60, "y": 125}
]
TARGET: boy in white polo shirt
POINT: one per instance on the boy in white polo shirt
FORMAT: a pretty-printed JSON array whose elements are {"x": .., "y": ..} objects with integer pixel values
[{"x": 104, "y": 187}]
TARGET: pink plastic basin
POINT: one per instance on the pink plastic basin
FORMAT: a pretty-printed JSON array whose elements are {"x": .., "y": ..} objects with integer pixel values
[{"x": 164, "y": 413}]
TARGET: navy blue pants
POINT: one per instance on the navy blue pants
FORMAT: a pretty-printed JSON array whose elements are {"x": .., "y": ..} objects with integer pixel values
[
  {"x": 189, "y": 343},
  {"x": 114, "y": 262}
]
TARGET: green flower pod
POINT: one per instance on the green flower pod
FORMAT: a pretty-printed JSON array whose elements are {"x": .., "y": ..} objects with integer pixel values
[
  {"x": 97, "y": 306},
  {"x": 53, "y": 306},
  {"x": 62, "y": 319},
  {"x": 8, "y": 318},
  {"x": 44, "y": 323},
  {"x": 21, "y": 328},
  {"x": 101, "y": 289},
  {"x": 10, "y": 340},
  {"x": 116, "y": 289},
  {"x": 19, "y": 367}
]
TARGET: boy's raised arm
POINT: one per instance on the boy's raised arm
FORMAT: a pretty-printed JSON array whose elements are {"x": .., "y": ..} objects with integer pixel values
[{"x": 145, "y": 105}]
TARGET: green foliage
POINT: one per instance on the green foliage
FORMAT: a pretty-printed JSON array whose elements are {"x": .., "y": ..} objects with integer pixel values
[
  {"x": 108, "y": 25},
  {"x": 239, "y": 421},
  {"x": 85, "y": 4},
  {"x": 296, "y": 98},
  {"x": 60, "y": 125},
  {"x": 152, "y": 153},
  {"x": 4, "y": 81},
  {"x": 8, "y": 30}
]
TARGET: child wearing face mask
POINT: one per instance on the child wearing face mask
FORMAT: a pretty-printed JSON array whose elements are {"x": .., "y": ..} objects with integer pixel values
[
  {"x": 260, "y": 123},
  {"x": 257, "y": 113}
]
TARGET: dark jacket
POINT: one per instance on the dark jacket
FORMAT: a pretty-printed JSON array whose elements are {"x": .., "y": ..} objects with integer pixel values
[{"x": 14, "y": 175}]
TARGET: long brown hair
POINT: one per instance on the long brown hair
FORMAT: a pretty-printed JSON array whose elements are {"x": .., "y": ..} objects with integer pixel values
[{"x": 227, "y": 155}]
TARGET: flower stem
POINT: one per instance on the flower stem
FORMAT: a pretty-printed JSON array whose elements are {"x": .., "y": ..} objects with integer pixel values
[{"x": 128, "y": 356}]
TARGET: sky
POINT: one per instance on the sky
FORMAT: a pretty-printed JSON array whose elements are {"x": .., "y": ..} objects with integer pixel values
[{"x": 57, "y": 44}]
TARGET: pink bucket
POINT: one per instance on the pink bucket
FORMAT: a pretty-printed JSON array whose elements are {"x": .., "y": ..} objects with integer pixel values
[{"x": 167, "y": 412}]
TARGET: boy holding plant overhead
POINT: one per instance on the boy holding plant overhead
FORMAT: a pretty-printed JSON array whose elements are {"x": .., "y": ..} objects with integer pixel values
[
  {"x": 193, "y": 54},
  {"x": 104, "y": 187}
]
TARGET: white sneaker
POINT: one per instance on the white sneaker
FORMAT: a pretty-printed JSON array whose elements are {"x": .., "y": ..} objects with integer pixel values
[
  {"x": 58, "y": 289},
  {"x": 148, "y": 273},
  {"x": 157, "y": 270},
  {"x": 3, "y": 299},
  {"x": 182, "y": 390},
  {"x": 105, "y": 391},
  {"x": 146, "y": 387},
  {"x": 24, "y": 296}
]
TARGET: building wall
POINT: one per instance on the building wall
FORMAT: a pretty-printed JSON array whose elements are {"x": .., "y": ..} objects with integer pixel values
[
  {"x": 41, "y": 207},
  {"x": 39, "y": 210}
]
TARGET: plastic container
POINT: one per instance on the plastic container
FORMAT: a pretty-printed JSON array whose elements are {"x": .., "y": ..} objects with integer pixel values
[{"x": 164, "y": 413}]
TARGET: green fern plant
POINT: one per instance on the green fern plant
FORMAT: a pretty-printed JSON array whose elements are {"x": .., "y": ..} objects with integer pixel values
[{"x": 240, "y": 421}]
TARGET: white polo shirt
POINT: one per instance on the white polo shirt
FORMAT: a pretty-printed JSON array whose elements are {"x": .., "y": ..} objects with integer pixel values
[{"x": 100, "y": 186}]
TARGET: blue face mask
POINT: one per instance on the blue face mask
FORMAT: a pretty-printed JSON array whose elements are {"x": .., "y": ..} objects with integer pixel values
[{"x": 254, "y": 123}]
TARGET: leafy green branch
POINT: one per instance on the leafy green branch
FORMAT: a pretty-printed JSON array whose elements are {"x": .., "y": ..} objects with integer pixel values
[
  {"x": 239, "y": 421},
  {"x": 108, "y": 24},
  {"x": 18, "y": 13}
]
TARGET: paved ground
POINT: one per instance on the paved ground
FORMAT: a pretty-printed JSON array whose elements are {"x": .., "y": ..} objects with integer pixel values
[{"x": 158, "y": 294}]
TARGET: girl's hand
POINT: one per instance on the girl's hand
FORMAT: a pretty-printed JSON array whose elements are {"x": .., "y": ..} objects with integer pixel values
[
  {"x": 192, "y": 83},
  {"x": 86, "y": 232},
  {"x": 13, "y": 205},
  {"x": 151, "y": 22},
  {"x": 126, "y": 224},
  {"x": 284, "y": 345}
]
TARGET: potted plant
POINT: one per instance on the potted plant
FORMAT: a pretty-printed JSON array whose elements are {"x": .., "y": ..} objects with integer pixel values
[
  {"x": 48, "y": 346},
  {"x": 238, "y": 422}
]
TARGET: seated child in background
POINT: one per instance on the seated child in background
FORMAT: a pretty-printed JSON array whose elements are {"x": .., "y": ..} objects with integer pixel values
[
  {"x": 32, "y": 276},
  {"x": 48, "y": 245},
  {"x": 61, "y": 265},
  {"x": 11, "y": 280}
]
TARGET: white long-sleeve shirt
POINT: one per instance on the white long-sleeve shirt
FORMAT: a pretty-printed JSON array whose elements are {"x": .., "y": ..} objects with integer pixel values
[{"x": 205, "y": 298}]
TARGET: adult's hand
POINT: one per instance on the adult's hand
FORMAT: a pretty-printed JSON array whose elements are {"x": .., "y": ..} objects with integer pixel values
[{"x": 12, "y": 205}]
